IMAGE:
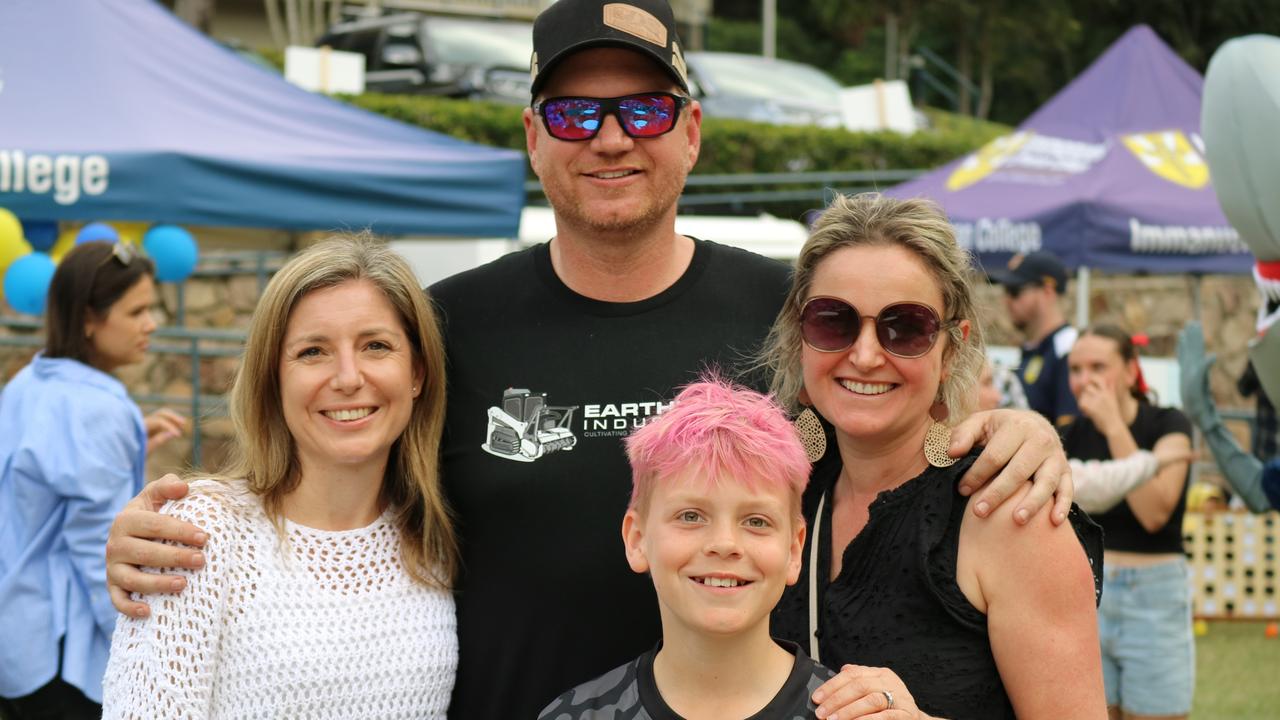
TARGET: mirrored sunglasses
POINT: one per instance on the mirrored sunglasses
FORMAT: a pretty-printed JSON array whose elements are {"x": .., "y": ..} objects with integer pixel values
[
  {"x": 646, "y": 115},
  {"x": 905, "y": 329}
]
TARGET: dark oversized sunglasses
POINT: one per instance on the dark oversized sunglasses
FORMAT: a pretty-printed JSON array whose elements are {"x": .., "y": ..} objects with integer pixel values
[
  {"x": 905, "y": 329},
  {"x": 646, "y": 115}
]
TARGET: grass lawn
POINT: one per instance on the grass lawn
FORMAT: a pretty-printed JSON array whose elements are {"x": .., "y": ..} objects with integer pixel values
[{"x": 1237, "y": 673}]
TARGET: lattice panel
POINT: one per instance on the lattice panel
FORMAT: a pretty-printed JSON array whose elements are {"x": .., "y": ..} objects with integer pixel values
[{"x": 1234, "y": 563}]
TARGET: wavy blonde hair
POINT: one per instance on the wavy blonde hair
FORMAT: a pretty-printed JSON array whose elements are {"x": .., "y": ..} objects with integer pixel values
[
  {"x": 871, "y": 219},
  {"x": 265, "y": 454}
]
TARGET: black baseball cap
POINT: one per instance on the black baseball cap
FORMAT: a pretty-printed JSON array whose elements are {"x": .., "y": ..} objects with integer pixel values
[
  {"x": 1034, "y": 268},
  {"x": 647, "y": 26}
]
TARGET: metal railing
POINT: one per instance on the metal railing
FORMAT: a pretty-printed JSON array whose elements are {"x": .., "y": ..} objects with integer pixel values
[
  {"x": 788, "y": 187},
  {"x": 522, "y": 9},
  {"x": 196, "y": 344}
]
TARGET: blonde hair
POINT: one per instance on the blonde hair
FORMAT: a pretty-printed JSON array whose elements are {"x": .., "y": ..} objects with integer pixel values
[
  {"x": 871, "y": 219},
  {"x": 265, "y": 454}
]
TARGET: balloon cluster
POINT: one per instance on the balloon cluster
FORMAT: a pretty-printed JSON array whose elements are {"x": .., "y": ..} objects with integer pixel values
[{"x": 29, "y": 252}]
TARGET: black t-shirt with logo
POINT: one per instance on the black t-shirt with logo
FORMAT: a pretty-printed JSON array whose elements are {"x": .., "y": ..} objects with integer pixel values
[
  {"x": 543, "y": 385},
  {"x": 630, "y": 692}
]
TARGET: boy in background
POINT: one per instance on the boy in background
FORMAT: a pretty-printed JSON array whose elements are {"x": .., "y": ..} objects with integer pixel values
[{"x": 715, "y": 520}]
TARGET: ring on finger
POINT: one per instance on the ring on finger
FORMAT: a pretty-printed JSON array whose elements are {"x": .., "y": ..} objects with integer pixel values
[{"x": 888, "y": 698}]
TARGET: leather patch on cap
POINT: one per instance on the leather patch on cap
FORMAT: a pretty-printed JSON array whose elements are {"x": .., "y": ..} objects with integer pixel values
[
  {"x": 634, "y": 21},
  {"x": 677, "y": 62}
]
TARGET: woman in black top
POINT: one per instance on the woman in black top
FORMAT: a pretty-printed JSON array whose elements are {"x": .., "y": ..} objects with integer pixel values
[
  {"x": 1145, "y": 619},
  {"x": 966, "y": 618}
]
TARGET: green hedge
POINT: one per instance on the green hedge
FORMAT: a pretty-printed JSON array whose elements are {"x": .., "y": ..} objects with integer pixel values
[{"x": 728, "y": 146}]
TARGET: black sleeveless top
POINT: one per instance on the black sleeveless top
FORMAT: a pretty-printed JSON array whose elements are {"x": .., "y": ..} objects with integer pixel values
[{"x": 896, "y": 603}]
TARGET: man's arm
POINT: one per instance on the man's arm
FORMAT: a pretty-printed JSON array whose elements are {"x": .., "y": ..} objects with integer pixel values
[
  {"x": 135, "y": 541},
  {"x": 1020, "y": 445},
  {"x": 1103, "y": 484}
]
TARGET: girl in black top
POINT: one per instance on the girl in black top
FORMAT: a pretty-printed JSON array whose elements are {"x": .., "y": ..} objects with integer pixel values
[{"x": 1145, "y": 617}]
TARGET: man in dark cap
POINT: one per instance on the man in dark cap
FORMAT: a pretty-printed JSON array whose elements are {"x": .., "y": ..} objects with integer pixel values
[
  {"x": 1034, "y": 284},
  {"x": 605, "y": 321}
]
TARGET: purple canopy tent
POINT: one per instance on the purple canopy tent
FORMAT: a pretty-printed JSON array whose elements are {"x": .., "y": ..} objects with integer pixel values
[{"x": 1109, "y": 174}]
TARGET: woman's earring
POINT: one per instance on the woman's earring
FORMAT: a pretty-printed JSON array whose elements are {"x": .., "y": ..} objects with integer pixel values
[
  {"x": 938, "y": 439},
  {"x": 809, "y": 427}
]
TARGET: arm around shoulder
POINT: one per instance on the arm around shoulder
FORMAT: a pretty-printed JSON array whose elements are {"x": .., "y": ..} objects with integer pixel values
[
  {"x": 1036, "y": 585},
  {"x": 1103, "y": 484},
  {"x": 136, "y": 540}
]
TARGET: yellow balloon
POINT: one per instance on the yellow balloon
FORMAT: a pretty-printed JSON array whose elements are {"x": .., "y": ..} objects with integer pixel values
[
  {"x": 12, "y": 251},
  {"x": 10, "y": 227},
  {"x": 12, "y": 244},
  {"x": 66, "y": 241},
  {"x": 131, "y": 231}
]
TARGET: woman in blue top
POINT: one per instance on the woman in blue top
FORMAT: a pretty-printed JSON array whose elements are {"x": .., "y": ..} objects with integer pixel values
[{"x": 72, "y": 451}]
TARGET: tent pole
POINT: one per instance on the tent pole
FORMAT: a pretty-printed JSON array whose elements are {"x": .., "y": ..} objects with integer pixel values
[
  {"x": 1082, "y": 297},
  {"x": 1196, "y": 280}
]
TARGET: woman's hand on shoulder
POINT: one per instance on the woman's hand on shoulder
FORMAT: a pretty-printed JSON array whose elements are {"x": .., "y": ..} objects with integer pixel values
[
  {"x": 860, "y": 691},
  {"x": 136, "y": 540},
  {"x": 1020, "y": 445}
]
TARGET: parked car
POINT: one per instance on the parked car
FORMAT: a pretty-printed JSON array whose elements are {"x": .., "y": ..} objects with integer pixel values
[
  {"x": 751, "y": 87},
  {"x": 437, "y": 55}
]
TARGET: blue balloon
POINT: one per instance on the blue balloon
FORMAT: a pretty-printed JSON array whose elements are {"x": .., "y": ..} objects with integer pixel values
[
  {"x": 26, "y": 282},
  {"x": 173, "y": 250},
  {"x": 41, "y": 234},
  {"x": 97, "y": 231}
]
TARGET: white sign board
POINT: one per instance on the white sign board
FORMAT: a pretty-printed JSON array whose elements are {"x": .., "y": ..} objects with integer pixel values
[
  {"x": 882, "y": 105},
  {"x": 324, "y": 70}
]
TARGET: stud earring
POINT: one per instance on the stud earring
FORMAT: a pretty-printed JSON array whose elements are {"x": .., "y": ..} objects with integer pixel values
[{"x": 812, "y": 437}]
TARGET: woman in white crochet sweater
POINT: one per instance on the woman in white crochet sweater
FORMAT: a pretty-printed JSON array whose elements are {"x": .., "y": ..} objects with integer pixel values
[{"x": 330, "y": 554}]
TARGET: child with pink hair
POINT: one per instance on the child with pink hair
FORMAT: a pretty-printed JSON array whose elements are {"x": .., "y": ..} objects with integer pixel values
[{"x": 715, "y": 520}]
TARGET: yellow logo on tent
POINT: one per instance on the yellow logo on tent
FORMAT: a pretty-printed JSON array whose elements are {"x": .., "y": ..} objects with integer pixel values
[
  {"x": 987, "y": 160},
  {"x": 1171, "y": 156}
]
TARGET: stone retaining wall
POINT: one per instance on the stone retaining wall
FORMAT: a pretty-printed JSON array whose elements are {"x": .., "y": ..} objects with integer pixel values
[{"x": 1156, "y": 305}]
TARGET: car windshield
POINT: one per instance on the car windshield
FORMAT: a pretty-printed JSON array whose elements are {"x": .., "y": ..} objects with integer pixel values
[
  {"x": 765, "y": 78},
  {"x": 471, "y": 42}
]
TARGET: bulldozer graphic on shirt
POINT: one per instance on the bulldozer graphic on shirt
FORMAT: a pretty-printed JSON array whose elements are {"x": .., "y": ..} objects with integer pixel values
[{"x": 526, "y": 428}]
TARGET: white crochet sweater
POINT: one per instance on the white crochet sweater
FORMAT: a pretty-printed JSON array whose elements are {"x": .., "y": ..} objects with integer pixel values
[{"x": 329, "y": 627}]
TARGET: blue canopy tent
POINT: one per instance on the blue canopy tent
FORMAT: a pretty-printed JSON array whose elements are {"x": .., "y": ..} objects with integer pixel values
[{"x": 115, "y": 109}]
